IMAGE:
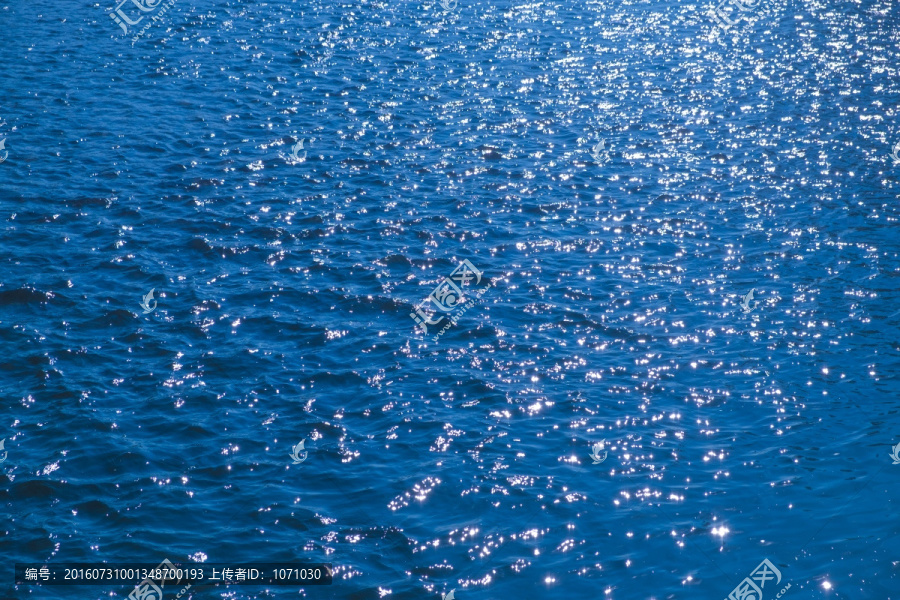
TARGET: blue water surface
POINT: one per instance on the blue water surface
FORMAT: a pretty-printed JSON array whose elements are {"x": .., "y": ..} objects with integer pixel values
[{"x": 621, "y": 177}]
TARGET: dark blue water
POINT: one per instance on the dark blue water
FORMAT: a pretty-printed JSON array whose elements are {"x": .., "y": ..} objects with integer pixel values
[{"x": 760, "y": 161}]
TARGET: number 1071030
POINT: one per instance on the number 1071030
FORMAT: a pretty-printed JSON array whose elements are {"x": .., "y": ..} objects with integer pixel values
[{"x": 297, "y": 574}]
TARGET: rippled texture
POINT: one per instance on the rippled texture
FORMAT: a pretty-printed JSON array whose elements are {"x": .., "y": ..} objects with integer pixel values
[{"x": 759, "y": 161}]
